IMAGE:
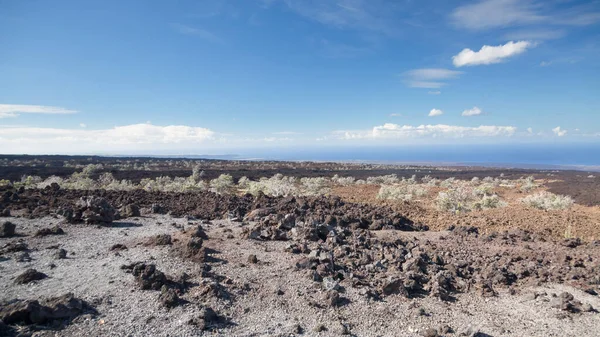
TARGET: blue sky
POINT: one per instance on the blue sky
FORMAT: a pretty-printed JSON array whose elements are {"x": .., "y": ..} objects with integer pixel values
[{"x": 216, "y": 75}]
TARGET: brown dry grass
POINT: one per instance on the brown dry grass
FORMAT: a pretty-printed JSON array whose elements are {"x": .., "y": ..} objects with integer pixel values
[{"x": 579, "y": 221}]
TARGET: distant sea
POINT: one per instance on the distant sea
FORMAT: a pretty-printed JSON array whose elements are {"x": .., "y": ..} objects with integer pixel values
[{"x": 540, "y": 156}]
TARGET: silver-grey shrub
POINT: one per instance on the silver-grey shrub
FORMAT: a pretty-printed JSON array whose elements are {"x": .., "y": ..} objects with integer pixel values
[
  {"x": 314, "y": 186},
  {"x": 528, "y": 184},
  {"x": 343, "y": 181},
  {"x": 278, "y": 185},
  {"x": 389, "y": 179},
  {"x": 403, "y": 192},
  {"x": 548, "y": 201},
  {"x": 223, "y": 184}
]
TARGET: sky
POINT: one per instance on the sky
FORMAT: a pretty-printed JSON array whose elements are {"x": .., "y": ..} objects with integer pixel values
[{"x": 216, "y": 76}]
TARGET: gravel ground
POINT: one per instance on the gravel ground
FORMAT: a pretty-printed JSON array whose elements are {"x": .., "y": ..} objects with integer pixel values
[{"x": 266, "y": 298}]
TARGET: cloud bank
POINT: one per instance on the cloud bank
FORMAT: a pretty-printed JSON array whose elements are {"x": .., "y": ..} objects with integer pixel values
[
  {"x": 396, "y": 131},
  {"x": 118, "y": 139}
]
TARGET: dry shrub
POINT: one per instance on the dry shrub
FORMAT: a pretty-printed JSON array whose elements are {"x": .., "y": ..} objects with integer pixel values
[{"x": 548, "y": 201}]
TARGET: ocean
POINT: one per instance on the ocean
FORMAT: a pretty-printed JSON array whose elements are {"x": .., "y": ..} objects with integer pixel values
[{"x": 542, "y": 156}]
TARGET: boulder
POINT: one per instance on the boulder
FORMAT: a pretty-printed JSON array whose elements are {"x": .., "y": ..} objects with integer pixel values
[
  {"x": 159, "y": 240},
  {"x": 50, "y": 231},
  {"x": 32, "y": 312},
  {"x": 168, "y": 297},
  {"x": 30, "y": 275},
  {"x": 60, "y": 254},
  {"x": 129, "y": 211},
  {"x": 95, "y": 210},
  {"x": 147, "y": 276},
  {"x": 206, "y": 318},
  {"x": 7, "y": 229}
]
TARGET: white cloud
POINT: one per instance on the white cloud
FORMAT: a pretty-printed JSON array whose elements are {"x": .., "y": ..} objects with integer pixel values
[
  {"x": 561, "y": 61},
  {"x": 488, "y": 14},
  {"x": 496, "y": 13},
  {"x": 435, "y": 112},
  {"x": 14, "y": 110},
  {"x": 472, "y": 112},
  {"x": 274, "y": 139},
  {"x": 360, "y": 15},
  {"x": 431, "y": 78},
  {"x": 436, "y": 92},
  {"x": 426, "y": 84},
  {"x": 128, "y": 138},
  {"x": 8, "y": 114},
  {"x": 82, "y": 125},
  {"x": 395, "y": 131},
  {"x": 559, "y": 132},
  {"x": 530, "y": 130},
  {"x": 198, "y": 32},
  {"x": 490, "y": 54},
  {"x": 395, "y": 115}
]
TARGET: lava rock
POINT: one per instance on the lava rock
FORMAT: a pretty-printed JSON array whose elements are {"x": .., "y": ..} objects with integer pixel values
[
  {"x": 6, "y": 330},
  {"x": 118, "y": 247},
  {"x": 159, "y": 240},
  {"x": 30, "y": 275},
  {"x": 50, "y": 231},
  {"x": 34, "y": 312},
  {"x": 571, "y": 243},
  {"x": 158, "y": 209},
  {"x": 13, "y": 247},
  {"x": 60, "y": 254},
  {"x": 205, "y": 319},
  {"x": 129, "y": 211},
  {"x": 252, "y": 259},
  {"x": 95, "y": 210},
  {"x": 566, "y": 302},
  {"x": 303, "y": 263},
  {"x": 194, "y": 250},
  {"x": 393, "y": 286},
  {"x": 23, "y": 257},
  {"x": 147, "y": 276},
  {"x": 7, "y": 229},
  {"x": 332, "y": 298},
  {"x": 168, "y": 297},
  {"x": 288, "y": 222},
  {"x": 199, "y": 232}
]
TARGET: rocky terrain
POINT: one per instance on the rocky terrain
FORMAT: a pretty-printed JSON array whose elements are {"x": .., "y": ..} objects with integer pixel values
[{"x": 140, "y": 263}]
